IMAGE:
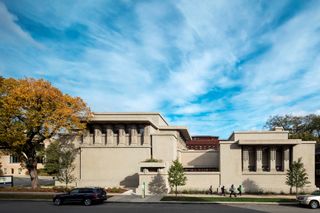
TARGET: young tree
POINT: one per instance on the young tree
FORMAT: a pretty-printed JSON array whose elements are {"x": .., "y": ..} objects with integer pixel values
[
  {"x": 59, "y": 158},
  {"x": 297, "y": 176},
  {"x": 32, "y": 111},
  {"x": 176, "y": 176}
]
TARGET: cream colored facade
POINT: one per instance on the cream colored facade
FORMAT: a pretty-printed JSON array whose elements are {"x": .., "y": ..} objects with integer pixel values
[{"x": 116, "y": 147}]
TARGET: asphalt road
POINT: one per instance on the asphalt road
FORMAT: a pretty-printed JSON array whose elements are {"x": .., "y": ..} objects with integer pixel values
[{"x": 48, "y": 207}]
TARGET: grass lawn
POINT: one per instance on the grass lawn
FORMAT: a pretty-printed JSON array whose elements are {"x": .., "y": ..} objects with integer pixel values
[{"x": 227, "y": 199}]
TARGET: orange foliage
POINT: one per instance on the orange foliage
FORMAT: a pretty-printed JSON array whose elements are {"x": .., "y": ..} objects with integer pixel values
[{"x": 32, "y": 110}]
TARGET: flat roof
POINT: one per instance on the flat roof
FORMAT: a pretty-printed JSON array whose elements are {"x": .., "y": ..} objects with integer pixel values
[{"x": 130, "y": 113}]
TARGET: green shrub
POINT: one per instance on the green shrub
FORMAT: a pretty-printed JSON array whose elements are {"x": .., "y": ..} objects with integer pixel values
[
  {"x": 116, "y": 190},
  {"x": 151, "y": 160}
]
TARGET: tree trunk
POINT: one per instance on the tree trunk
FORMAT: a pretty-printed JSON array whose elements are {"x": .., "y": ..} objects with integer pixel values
[
  {"x": 176, "y": 190},
  {"x": 32, "y": 169},
  {"x": 296, "y": 191}
]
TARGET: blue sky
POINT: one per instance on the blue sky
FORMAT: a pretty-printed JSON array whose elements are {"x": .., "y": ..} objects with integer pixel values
[{"x": 213, "y": 66}]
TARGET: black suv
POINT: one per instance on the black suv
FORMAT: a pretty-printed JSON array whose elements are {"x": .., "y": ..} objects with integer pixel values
[{"x": 87, "y": 196}]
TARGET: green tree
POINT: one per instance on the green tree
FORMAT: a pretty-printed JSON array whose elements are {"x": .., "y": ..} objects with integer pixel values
[
  {"x": 176, "y": 176},
  {"x": 32, "y": 111},
  {"x": 59, "y": 159},
  {"x": 297, "y": 176},
  {"x": 301, "y": 127}
]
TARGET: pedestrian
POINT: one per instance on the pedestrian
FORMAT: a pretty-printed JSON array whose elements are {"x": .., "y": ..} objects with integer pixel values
[
  {"x": 232, "y": 191},
  {"x": 223, "y": 192},
  {"x": 240, "y": 190},
  {"x": 210, "y": 190}
]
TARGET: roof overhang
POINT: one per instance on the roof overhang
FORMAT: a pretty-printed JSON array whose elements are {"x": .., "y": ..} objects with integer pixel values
[
  {"x": 270, "y": 142},
  {"x": 182, "y": 129},
  {"x": 128, "y": 117}
]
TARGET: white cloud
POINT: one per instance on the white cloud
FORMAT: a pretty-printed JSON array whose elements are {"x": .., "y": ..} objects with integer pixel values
[
  {"x": 10, "y": 31},
  {"x": 167, "y": 56}
]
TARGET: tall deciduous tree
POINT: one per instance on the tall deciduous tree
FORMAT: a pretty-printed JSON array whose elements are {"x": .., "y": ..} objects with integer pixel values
[
  {"x": 60, "y": 156},
  {"x": 176, "y": 176},
  {"x": 297, "y": 176},
  {"x": 303, "y": 127},
  {"x": 32, "y": 111}
]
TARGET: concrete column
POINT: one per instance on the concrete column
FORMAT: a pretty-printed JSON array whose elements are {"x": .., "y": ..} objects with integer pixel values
[
  {"x": 286, "y": 158},
  {"x": 97, "y": 134},
  {"x": 146, "y": 135},
  {"x": 121, "y": 135},
  {"x": 245, "y": 159},
  {"x": 86, "y": 137},
  {"x": 273, "y": 159},
  {"x": 133, "y": 135},
  {"x": 109, "y": 135},
  {"x": 259, "y": 159}
]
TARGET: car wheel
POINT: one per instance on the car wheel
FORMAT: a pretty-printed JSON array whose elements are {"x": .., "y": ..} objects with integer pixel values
[
  {"x": 57, "y": 202},
  {"x": 87, "y": 202},
  {"x": 314, "y": 204}
]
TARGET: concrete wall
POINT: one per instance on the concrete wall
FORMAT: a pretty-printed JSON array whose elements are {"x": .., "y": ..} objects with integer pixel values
[
  {"x": 230, "y": 163},
  {"x": 164, "y": 147},
  {"x": 157, "y": 183},
  {"x": 153, "y": 182},
  {"x": 264, "y": 182},
  {"x": 201, "y": 181},
  {"x": 200, "y": 158},
  {"x": 110, "y": 167},
  {"x": 262, "y": 135},
  {"x": 306, "y": 150}
]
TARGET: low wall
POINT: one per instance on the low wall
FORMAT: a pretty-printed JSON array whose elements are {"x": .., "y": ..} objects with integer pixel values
[
  {"x": 153, "y": 182},
  {"x": 271, "y": 182},
  {"x": 201, "y": 181},
  {"x": 157, "y": 183}
]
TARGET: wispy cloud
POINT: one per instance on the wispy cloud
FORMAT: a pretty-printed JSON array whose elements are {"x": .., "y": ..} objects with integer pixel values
[{"x": 221, "y": 67}]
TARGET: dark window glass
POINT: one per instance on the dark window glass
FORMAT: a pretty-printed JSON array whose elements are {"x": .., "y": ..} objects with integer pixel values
[
  {"x": 14, "y": 159},
  {"x": 75, "y": 191}
]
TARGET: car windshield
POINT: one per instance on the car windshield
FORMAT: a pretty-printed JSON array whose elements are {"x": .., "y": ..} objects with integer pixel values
[{"x": 316, "y": 192}]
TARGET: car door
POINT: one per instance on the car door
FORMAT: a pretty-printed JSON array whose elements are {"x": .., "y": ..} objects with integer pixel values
[
  {"x": 84, "y": 193},
  {"x": 73, "y": 196}
]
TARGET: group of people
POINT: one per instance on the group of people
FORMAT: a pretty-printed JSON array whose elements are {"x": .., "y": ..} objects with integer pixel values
[{"x": 233, "y": 190}]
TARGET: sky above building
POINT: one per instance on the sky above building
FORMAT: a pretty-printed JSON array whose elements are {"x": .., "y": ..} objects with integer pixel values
[{"x": 213, "y": 66}]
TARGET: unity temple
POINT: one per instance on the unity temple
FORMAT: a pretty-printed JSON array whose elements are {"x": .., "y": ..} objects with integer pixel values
[{"x": 135, "y": 151}]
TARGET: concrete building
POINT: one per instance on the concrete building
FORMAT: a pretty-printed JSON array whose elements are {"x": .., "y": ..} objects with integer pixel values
[
  {"x": 116, "y": 149},
  {"x": 135, "y": 150}
]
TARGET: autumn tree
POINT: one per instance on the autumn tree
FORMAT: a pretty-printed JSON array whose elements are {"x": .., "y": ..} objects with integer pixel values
[
  {"x": 176, "y": 176},
  {"x": 32, "y": 111},
  {"x": 59, "y": 159}
]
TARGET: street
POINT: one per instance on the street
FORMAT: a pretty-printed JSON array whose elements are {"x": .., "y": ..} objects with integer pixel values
[{"x": 48, "y": 207}]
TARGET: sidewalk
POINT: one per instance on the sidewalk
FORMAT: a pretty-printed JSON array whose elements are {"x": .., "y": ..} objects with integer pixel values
[
  {"x": 157, "y": 199},
  {"x": 135, "y": 199}
]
